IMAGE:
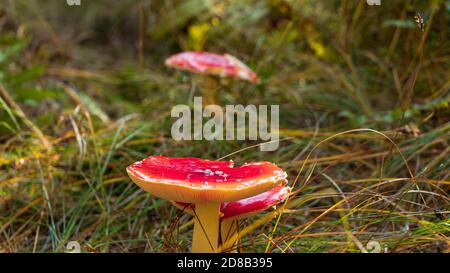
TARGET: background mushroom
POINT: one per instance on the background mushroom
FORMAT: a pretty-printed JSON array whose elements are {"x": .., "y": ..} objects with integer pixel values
[
  {"x": 209, "y": 66},
  {"x": 232, "y": 212},
  {"x": 207, "y": 184}
]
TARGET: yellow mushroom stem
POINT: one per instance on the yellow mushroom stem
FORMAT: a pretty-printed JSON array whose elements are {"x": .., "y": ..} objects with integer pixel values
[
  {"x": 228, "y": 232},
  {"x": 206, "y": 228},
  {"x": 210, "y": 92}
]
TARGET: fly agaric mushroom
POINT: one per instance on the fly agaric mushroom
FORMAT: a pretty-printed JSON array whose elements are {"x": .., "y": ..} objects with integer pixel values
[
  {"x": 207, "y": 184},
  {"x": 232, "y": 212},
  {"x": 211, "y": 64}
]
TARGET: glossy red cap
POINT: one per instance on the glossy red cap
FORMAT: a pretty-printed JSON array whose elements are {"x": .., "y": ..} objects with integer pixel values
[
  {"x": 193, "y": 180},
  {"x": 213, "y": 64},
  {"x": 248, "y": 206}
]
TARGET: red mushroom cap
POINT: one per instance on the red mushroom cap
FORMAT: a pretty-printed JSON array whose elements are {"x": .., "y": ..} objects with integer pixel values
[
  {"x": 257, "y": 203},
  {"x": 248, "y": 206},
  {"x": 194, "y": 180},
  {"x": 213, "y": 64}
]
